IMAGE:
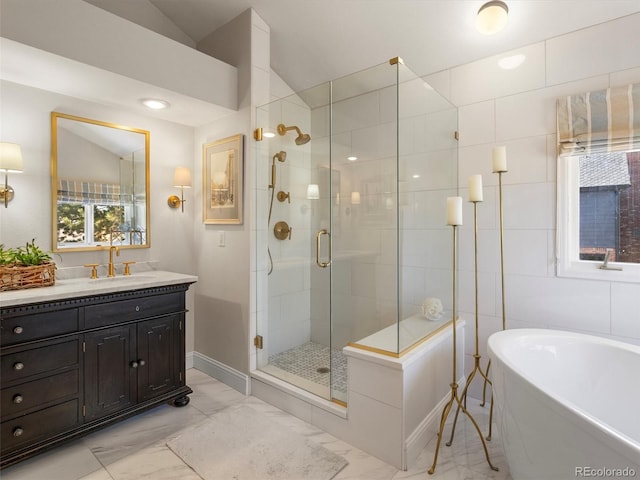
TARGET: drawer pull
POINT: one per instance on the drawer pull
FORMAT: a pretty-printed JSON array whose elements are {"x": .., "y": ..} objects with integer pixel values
[
  {"x": 18, "y": 366},
  {"x": 18, "y": 330},
  {"x": 137, "y": 308},
  {"x": 17, "y": 398},
  {"x": 17, "y": 432}
]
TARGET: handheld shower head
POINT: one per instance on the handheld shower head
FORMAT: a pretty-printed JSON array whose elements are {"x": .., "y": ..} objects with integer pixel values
[
  {"x": 301, "y": 139},
  {"x": 281, "y": 156}
]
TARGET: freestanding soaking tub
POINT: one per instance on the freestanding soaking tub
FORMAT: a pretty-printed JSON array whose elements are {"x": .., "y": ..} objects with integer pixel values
[{"x": 567, "y": 404}]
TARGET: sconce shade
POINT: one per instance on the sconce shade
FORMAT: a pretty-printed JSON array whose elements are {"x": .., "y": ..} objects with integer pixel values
[
  {"x": 313, "y": 192},
  {"x": 10, "y": 157},
  {"x": 492, "y": 17},
  {"x": 182, "y": 177},
  {"x": 355, "y": 198}
]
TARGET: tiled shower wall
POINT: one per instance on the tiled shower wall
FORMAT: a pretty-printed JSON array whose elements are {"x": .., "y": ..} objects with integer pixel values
[{"x": 517, "y": 108}]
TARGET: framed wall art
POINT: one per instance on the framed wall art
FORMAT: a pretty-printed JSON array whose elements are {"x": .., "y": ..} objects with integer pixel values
[{"x": 222, "y": 175}]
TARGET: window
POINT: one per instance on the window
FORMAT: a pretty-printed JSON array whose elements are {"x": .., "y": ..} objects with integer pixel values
[
  {"x": 599, "y": 185},
  {"x": 89, "y": 224},
  {"x": 87, "y": 213}
]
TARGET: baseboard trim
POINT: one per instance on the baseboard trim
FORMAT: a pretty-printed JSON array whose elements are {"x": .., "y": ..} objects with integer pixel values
[
  {"x": 426, "y": 430},
  {"x": 218, "y": 370}
]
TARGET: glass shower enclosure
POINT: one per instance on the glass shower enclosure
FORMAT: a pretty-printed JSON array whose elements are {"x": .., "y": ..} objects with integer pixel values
[{"x": 352, "y": 178}]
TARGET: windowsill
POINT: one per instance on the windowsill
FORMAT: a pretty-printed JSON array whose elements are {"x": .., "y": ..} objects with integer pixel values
[{"x": 590, "y": 271}]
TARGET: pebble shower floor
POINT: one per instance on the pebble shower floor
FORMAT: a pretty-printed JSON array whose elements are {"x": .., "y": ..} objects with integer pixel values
[{"x": 310, "y": 361}]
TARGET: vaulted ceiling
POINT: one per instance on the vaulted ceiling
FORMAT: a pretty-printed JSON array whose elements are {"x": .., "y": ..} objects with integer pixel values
[{"x": 313, "y": 41}]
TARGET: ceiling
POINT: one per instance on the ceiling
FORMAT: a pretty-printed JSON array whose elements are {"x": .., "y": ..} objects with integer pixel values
[{"x": 313, "y": 41}]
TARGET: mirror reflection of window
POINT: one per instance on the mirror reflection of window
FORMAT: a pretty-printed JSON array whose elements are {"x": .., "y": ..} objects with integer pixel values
[{"x": 100, "y": 183}]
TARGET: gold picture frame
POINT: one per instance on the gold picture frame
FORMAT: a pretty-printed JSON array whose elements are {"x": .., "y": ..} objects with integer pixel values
[{"x": 222, "y": 176}]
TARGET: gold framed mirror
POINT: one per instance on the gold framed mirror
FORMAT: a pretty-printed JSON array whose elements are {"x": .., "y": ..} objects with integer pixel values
[{"x": 100, "y": 184}]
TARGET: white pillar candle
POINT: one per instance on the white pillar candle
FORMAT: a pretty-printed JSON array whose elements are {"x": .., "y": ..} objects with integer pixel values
[
  {"x": 454, "y": 210},
  {"x": 475, "y": 188},
  {"x": 499, "y": 159}
]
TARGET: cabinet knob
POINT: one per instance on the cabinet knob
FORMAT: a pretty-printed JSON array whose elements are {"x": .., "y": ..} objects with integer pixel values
[
  {"x": 18, "y": 366},
  {"x": 137, "y": 308},
  {"x": 17, "y": 432},
  {"x": 17, "y": 398},
  {"x": 18, "y": 330},
  {"x": 137, "y": 363}
]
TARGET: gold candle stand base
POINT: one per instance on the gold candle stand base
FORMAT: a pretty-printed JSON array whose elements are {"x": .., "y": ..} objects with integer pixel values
[{"x": 454, "y": 385}]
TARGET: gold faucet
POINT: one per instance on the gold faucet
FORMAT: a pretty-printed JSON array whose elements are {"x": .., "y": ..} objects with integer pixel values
[{"x": 112, "y": 249}]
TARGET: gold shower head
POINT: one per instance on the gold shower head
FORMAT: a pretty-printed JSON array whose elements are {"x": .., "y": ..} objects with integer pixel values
[{"x": 301, "y": 139}]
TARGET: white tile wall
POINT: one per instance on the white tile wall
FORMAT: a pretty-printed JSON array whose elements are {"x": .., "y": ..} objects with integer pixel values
[
  {"x": 625, "y": 310},
  {"x": 521, "y": 116},
  {"x": 593, "y": 51}
]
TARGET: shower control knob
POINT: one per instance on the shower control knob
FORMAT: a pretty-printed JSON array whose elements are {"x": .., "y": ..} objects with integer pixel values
[
  {"x": 282, "y": 196},
  {"x": 282, "y": 231}
]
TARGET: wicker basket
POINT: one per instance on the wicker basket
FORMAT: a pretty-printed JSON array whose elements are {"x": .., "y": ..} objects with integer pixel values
[{"x": 13, "y": 277}]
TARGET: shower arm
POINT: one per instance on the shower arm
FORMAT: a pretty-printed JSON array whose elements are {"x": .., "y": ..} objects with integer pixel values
[{"x": 282, "y": 129}]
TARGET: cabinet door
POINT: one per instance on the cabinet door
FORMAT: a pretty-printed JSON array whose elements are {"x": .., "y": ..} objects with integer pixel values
[
  {"x": 109, "y": 370},
  {"x": 160, "y": 347}
]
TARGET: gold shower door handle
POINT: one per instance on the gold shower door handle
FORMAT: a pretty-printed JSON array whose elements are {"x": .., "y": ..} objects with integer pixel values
[{"x": 318, "y": 235}]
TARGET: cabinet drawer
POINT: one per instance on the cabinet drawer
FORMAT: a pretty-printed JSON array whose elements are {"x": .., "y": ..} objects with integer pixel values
[
  {"x": 40, "y": 425},
  {"x": 40, "y": 358},
  {"x": 126, "y": 310},
  {"x": 39, "y": 325},
  {"x": 29, "y": 395}
]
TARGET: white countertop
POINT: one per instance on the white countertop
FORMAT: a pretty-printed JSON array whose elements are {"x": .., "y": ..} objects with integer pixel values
[{"x": 82, "y": 287}]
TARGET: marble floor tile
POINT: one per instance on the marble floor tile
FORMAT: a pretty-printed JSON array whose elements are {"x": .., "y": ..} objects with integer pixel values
[
  {"x": 134, "y": 434},
  {"x": 157, "y": 462},
  {"x": 71, "y": 461},
  {"x": 136, "y": 448},
  {"x": 101, "y": 474}
]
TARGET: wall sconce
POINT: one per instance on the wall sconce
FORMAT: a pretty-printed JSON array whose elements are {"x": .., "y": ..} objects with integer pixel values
[
  {"x": 313, "y": 191},
  {"x": 492, "y": 17},
  {"x": 182, "y": 179},
  {"x": 355, "y": 198},
  {"x": 10, "y": 161}
]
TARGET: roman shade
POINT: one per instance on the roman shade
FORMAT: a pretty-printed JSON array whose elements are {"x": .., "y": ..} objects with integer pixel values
[
  {"x": 89, "y": 193},
  {"x": 601, "y": 121}
]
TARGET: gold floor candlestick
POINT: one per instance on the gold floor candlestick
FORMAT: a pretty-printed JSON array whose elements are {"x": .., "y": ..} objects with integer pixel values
[
  {"x": 476, "y": 367},
  {"x": 504, "y": 315},
  {"x": 454, "y": 384}
]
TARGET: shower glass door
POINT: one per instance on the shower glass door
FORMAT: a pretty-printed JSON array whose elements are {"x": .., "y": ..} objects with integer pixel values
[
  {"x": 351, "y": 235},
  {"x": 293, "y": 240}
]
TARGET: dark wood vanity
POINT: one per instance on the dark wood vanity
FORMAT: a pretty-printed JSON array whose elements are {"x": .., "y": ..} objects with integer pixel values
[{"x": 74, "y": 365}]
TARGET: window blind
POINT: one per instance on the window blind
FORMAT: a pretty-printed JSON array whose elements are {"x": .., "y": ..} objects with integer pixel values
[
  {"x": 88, "y": 193},
  {"x": 601, "y": 121}
]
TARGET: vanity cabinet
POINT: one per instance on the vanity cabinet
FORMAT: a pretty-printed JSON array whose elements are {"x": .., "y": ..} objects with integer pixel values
[{"x": 72, "y": 366}]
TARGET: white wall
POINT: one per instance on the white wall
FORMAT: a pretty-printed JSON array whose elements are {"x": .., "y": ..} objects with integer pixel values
[
  {"x": 516, "y": 108},
  {"x": 225, "y": 294}
]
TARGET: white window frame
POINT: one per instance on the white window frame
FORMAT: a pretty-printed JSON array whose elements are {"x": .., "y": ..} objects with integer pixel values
[{"x": 568, "y": 263}]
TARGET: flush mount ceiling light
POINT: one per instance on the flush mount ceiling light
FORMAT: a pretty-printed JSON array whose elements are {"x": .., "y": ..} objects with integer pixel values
[
  {"x": 492, "y": 17},
  {"x": 155, "y": 103}
]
